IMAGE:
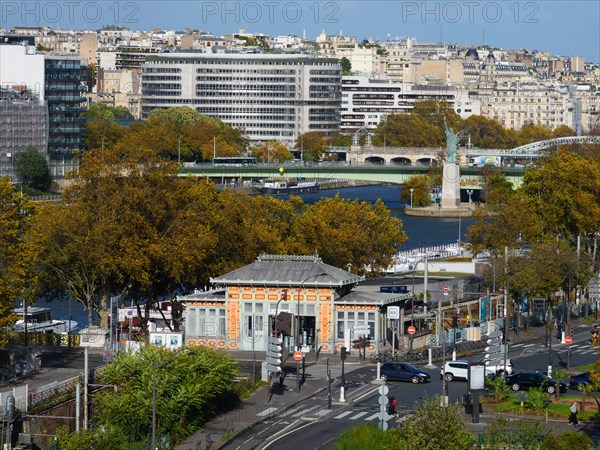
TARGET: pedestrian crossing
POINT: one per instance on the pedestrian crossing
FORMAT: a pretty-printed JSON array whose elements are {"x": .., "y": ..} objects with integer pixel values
[{"x": 317, "y": 412}]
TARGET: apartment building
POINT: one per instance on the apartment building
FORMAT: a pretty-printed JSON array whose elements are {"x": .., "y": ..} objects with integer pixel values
[
  {"x": 365, "y": 101},
  {"x": 269, "y": 96}
]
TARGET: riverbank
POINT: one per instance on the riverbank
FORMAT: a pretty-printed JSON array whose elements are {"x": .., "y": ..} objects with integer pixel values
[{"x": 435, "y": 211}]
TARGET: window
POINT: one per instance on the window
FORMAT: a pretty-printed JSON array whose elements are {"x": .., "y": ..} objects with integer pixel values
[{"x": 347, "y": 320}]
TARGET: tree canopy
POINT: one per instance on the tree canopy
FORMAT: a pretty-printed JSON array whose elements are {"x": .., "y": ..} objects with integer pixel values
[{"x": 32, "y": 169}]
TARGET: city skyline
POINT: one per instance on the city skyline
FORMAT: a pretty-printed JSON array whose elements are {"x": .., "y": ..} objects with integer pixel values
[{"x": 558, "y": 27}]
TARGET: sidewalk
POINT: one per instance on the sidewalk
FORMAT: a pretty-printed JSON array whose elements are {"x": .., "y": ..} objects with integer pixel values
[{"x": 256, "y": 409}]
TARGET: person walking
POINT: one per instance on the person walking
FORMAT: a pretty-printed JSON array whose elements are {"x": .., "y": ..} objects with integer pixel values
[{"x": 573, "y": 416}]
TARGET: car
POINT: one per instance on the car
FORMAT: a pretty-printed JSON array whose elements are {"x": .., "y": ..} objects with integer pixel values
[
  {"x": 498, "y": 369},
  {"x": 578, "y": 381},
  {"x": 402, "y": 371},
  {"x": 459, "y": 370},
  {"x": 525, "y": 380}
]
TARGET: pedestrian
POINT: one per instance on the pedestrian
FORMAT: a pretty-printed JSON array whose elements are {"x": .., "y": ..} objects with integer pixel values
[
  {"x": 573, "y": 415},
  {"x": 392, "y": 405}
]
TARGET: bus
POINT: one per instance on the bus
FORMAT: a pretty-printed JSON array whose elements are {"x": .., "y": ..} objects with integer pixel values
[{"x": 234, "y": 161}]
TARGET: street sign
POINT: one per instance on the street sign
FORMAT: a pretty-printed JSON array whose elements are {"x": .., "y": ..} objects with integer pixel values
[
  {"x": 393, "y": 312},
  {"x": 383, "y": 390},
  {"x": 273, "y": 369},
  {"x": 446, "y": 288},
  {"x": 494, "y": 349},
  {"x": 298, "y": 356},
  {"x": 274, "y": 354},
  {"x": 568, "y": 340},
  {"x": 411, "y": 330},
  {"x": 360, "y": 330},
  {"x": 383, "y": 400},
  {"x": 305, "y": 349},
  {"x": 383, "y": 426},
  {"x": 494, "y": 334}
]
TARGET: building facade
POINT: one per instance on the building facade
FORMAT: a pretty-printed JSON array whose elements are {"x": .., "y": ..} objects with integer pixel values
[
  {"x": 365, "y": 101},
  {"x": 269, "y": 96},
  {"x": 239, "y": 314}
]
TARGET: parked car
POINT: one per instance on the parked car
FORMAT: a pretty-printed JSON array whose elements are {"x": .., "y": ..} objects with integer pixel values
[
  {"x": 459, "y": 370},
  {"x": 578, "y": 381},
  {"x": 402, "y": 371},
  {"x": 525, "y": 380},
  {"x": 498, "y": 369}
]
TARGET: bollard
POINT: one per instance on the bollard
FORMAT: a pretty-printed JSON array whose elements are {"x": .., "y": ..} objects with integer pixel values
[
  {"x": 342, "y": 398},
  {"x": 379, "y": 370},
  {"x": 430, "y": 356}
]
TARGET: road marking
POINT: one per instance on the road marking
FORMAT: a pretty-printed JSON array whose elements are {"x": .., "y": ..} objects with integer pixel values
[
  {"x": 302, "y": 412},
  {"x": 528, "y": 345},
  {"x": 267, "y": 411},
  {"x": 372, "y": 417},
  {"x": 372, "y": 391},
  {"x": 323, "y": 412},
  {"x": 279, "y": 435},
  {"x": 344, "y": 414},
  {"x": 359, "y": 415}
]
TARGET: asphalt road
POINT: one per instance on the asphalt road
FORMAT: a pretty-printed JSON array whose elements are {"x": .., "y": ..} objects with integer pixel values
[{"x": 316, "y": 426}]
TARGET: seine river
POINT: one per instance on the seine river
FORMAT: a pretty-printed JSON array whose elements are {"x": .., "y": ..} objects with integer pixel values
[{"x": 421, "y": 232}]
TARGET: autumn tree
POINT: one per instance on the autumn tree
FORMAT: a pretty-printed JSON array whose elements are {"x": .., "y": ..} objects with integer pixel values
[
  {"x": 563, "y": 131},
  {"x": 533, "y": 133},
  {"x": 406, "y": 130},
  {"x": 275, "y": 151},
  {"x": 345, "y": 232},
  {"x": 435, "y": 113},
  {"x": 488, "y": 133},
  {"x": 18, "y": 248},
  {"x": 420, "y": 186},
  {"x": 496, "y": 188},
  {"x": 565, "y": 192}
]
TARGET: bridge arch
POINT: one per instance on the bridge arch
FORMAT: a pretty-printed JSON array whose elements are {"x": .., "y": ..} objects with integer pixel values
[
  {"x": 428, "y": 161},
  {"x": 375, "y": 160},
  {"x": 535, "y": 147},
  {"x": 401, "y": 161}
]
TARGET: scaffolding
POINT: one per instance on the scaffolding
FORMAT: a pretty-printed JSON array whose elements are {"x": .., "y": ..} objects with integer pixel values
[{"x": 23, "y": 124}]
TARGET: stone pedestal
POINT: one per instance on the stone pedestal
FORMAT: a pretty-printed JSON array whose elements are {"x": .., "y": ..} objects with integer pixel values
[{"x": 451, "y": 186}]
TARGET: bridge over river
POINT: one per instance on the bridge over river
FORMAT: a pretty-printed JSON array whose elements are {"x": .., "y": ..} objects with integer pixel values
[{"x": 470, "y": 177}]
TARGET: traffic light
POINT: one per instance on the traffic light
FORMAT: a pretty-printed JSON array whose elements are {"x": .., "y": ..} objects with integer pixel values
[
  {"x": 274, "y": 354},
  {"x": 343, "y": 353}
]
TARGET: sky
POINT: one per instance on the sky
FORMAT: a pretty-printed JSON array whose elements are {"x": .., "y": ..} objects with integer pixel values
[{"x": 565, "y": 28}]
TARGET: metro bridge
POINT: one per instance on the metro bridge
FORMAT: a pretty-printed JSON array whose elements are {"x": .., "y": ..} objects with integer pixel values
[{"x": 396, "y": 174}]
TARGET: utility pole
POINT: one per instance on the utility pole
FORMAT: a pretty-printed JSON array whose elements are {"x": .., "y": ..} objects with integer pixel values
[{"x": 506, "y": 323}]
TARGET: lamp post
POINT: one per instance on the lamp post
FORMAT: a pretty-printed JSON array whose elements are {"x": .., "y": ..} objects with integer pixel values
[
  {"x": 298, "y": 348},
  {"x": 470, "y": 192},
  {"x": 411, "y": 197}
]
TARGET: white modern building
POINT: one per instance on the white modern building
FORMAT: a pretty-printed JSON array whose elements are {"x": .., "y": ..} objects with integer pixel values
[
  {"x": 365, "y": 101},
  {"x": 269, "y": 96}
]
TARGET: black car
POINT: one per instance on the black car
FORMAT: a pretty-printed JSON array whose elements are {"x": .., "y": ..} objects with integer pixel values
[
  {"x": 525, "y": 380},
  {"x": 402, "y": 371},
  {"x": 580, "y": 380}
]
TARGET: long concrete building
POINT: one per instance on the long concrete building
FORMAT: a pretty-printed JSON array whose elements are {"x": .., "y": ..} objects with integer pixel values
[{"x": 269, "y": 96}]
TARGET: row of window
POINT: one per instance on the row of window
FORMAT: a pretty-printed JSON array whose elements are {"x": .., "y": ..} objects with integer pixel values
[
  {"x": 161, "y": 70},
  {"x": 249, "y": 71},
  {"x": 246, "y": 62},
  {"x": 245, "y": 88},
  {"x": 161, "y": 77},
  {"x": 246, "y": 79}
]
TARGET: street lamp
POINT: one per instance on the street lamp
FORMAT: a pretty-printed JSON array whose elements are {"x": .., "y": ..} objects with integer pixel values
[
  {"x": 411, "y": 197},
  {"x": 298, "y": 330},
  {"x": 155, "y": 367},
  {"x": 470, "y": 192}
]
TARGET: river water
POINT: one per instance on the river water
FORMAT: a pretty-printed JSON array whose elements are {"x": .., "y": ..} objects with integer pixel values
[{"x": 421, "y": 232}]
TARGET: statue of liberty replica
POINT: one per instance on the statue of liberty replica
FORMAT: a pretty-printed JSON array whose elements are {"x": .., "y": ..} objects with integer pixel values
[{"x": 451, "y": 173}]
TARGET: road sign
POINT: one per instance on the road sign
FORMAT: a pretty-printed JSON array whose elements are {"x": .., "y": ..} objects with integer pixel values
[
  {"x": 446, "y": 288},
  {"x": 411, "y": 330},
  {"x": 274, "y": 354},
  {"x": 383, "y": 425},
  {"x": 568, "y": 340},
  {"x": 298, "y": 356},
  {"x": 360, "y": 330},
  {"x": 383, "y": 400},
  {"x": 393, "y": 312},
  {"x": 383, "y": 390},
  {"x": 494, "y": 349},
  {"x": 494, "y": 334}
]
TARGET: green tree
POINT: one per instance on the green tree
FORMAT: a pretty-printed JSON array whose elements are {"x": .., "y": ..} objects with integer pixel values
[
  {"x": 91, "y": 439},
  {"x": 435, "y": 113},
  {"x": 346, "y": 66},
  {"x": 563, "y": 131},
  {"x": 32, "y": 169},
  {"x": 313, "y": 143},
  {"x": 434, "y": 426},
  {"x": 420, "y": 185},
  {"x": 191, "y": 388},
  {"x": 497, "y": 189},
  {"x": 345, "y": 232}
]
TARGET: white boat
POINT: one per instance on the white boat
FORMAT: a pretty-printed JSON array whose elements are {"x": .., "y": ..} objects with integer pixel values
[
  {"x": 287, "y": 187},
  {"x": 39, "y": 320}
]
